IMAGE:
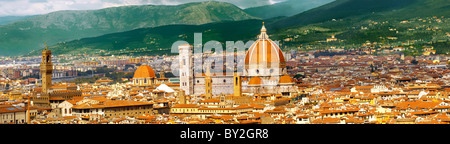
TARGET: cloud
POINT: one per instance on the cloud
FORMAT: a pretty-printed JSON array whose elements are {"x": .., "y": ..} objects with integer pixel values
[{"x": 36, "y": 7}]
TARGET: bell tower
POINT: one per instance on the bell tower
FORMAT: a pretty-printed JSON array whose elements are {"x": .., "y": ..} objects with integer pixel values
[
  {"x": 208, "y": 83},
  {"x": 46, "y": 69},
  {"x": 186, "y": 69}
]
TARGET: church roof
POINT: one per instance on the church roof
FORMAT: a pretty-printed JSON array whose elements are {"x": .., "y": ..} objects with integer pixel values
[
  {"x": 264, "y": 51},
  {"x": 144, "y": 71},
  {"x": 255, "y": 81},
  {"x": 286, "y": 79}
]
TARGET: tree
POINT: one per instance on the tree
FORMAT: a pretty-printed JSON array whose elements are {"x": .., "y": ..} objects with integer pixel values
[
  {"x": 297, "y": 76},
  {"x": 371, "y": 68},
  {"x": 414, "y": 61}
]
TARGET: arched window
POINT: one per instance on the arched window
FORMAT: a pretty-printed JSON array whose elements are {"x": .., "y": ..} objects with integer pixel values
[{"x": 48, "y": 58}]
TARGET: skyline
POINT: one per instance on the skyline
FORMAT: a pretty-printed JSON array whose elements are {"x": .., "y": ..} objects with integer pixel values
[{"x": 354, "y": 62}]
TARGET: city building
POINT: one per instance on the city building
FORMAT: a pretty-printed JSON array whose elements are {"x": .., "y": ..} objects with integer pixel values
[
  {"x": 264, "y": 69},
  {"x": 51, "y": 95}
]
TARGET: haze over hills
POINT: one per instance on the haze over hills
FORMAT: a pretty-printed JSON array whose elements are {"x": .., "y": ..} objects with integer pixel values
[
  {"x": 10, "y": 19},
  {"x": 286, "y": 8},
  {"x": 30, "y": 34}
]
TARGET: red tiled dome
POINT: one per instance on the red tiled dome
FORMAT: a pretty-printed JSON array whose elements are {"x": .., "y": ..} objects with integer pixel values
[
  {"x": 255, "y": 81},
  {"x": 144, "y": 71},
  {"x": 264, "y": 51}
]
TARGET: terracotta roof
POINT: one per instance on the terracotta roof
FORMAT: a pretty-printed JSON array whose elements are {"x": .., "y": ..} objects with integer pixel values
[
  {"x": 144, "y": 71},
  {"x": 327, "y": 121},
  {"x": 286, "y": 79},
  {"x": 213, "y": 100},
  {"x": 339, "y": 111},
  {"x": 111, "y": 103},
  {"x": 417, "y": 104},
  {"x": 11, "y": 108},
  {"x": 264, "y": 51},
  {"x": 255, "y": 81},
  {"x": 250, "y": 122}
]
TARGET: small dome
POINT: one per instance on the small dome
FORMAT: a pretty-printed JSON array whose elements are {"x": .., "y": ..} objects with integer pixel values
[
  {"x": 255, "y": 81},
  {"x": 144, "y": 71},
  {"x": 286, "y": 79}
]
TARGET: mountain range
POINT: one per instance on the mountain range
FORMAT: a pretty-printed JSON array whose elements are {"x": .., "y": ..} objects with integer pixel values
[
  {"x": 124, "y": 30},
  {"x": 285, "y": 8},
  {"x": 30, "y": 34},
  {"x": 374, "y": 9}
]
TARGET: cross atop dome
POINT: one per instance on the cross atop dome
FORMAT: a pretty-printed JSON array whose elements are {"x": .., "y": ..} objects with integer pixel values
[
  {"x": 263, "y": 34},
  {"x": 263, "y": 29}
]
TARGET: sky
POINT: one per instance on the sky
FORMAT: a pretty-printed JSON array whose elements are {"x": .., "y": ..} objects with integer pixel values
[{"x": 37, "y": 7}]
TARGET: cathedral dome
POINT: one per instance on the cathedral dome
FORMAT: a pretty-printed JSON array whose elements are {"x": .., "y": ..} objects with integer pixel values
[
  {"x": 286, "y": 79},
  {"x": 255, "y": 81},
  {"x": 144, "y": 71},
  {"x": 264, "y": 51}
]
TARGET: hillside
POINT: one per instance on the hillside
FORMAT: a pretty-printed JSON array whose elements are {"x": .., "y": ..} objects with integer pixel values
[
  {"x": 30, "y": 34},
  {"x": 354, "y": 27},
  {"x": 286, "y": 8},
  {"x": 158, "y": 40},
  {"x": 340, "y": 9},
  {"x": 353, "y": 30}
]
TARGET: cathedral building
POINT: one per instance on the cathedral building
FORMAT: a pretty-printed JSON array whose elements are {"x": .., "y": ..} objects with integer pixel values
[{"x": 264, "y": 72}]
